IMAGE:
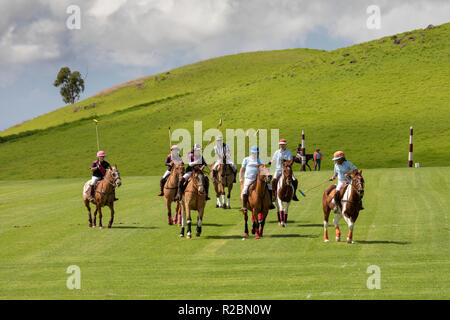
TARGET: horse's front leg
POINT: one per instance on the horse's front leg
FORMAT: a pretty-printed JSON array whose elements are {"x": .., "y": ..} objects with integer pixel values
[
  {"x": 246, "y": 223},
  {"x": 200, "y": 221},
  {"x": 336, "y": 219},
  {"x": 188, "y": 220},
  {"x": 100, "y": 216},
  {"x": 183, "y": 219},
  {"x": 111, "y": 220},
  {"x": 257, "y": 218},
  {"x": 86, "y": 203},
  {"x": 229, "y": 197},
  {"x": 278, "y": 205},
  {"x": 286, "y": 209},
  {"x": 95, "y": 217},
  {"x": 169, "y": 210},
  {"x": 262, "y": 223},
  {"x": 350, "y": 224}
]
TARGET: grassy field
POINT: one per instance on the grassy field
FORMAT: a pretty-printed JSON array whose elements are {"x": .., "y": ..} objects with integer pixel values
[
  {"x": 404, "y": 230},
  {"x": 361, "y": 99}
]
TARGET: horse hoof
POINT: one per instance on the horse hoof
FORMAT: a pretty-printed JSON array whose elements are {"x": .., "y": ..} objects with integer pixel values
[
  {"x": 246, "y": 234},
  {"x": 93, "y": 227},
  {"x": 217, "y": 206},
  {"x": 326, "y": 240},
  {"x": 257, "y": 236},
  {"x": 350, "y": 241},
  {"x": 197, "y": 234},
  {"x": 338, "y": 239},
  {"x": 253, "y": 231},
  {"x": 181, "y": 235}
]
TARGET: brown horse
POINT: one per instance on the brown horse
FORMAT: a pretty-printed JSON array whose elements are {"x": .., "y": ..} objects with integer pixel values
[
  {"x": 351, "y": 195},
  {"x": 225, "y": 178},
  {"x": 259, "y": 201},
  {"x": 104, "y": 196},
  {"x": 194, "y": 198},
  {"x": 285, "y": 192},
  {"x": 170, "y": 191}
]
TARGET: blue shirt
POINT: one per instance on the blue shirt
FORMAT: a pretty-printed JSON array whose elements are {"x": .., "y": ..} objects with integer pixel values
[
  {"x": 342, "y": 169},
  {"x": 251, "y": 167},
  {"x": 279, "y": 156}
]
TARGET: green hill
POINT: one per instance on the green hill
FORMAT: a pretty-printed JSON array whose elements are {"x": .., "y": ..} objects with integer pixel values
[{"x": 361, "y": 99}]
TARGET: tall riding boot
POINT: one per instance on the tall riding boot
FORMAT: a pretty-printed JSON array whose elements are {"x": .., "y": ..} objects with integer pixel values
[
  {"x": 244, "y": 202},
  {"x": 295, "y": 185},
  {"x": 91, "y": 193},
  {"x": 207, "y": 188},
  {"x": 271, "y": 199},
  {"x": 180, "y": 191},
  {"x": 337, "y": 201},
  {"x": 274, "y": 189},
  {"x": 162, "y": 182}
]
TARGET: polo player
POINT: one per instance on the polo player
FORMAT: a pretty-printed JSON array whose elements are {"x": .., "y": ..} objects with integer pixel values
[
  {"x": 222, "y": 150},
  {"x": 173, "y": 156},
  {"x": 342, "y": 167},
  {"x": 279, "y": 156}
]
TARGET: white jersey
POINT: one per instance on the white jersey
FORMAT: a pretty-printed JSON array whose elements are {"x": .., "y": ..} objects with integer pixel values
[
  {"x": 220, "y": 151},
  {"x": 279, "y": 156}
]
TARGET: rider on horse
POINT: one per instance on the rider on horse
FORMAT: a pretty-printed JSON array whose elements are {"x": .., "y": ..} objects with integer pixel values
[
  {"x": 222, "y": 150},
  {"x": 278, "y": 157},
  {"x": 342, "y": 167},
  {"x": 250, "y": 168},
  {"x": 174, "y": 155},
  {"x": 98, "y": 169},
  {"x": 195, "y": 161}
]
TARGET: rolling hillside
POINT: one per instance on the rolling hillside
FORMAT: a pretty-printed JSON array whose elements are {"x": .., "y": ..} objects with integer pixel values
[{"x": 361, "y": 99}]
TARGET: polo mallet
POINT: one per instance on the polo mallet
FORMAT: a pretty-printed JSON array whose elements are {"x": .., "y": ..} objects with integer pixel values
[
  {"x": 317, "y": 185},
  {"x": 170, "y": 139},
  {"x": 96, "y": 131},
  {"x": 218, "y": 126}
]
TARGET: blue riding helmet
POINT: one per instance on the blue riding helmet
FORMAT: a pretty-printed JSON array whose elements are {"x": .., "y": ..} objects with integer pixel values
[{"x": 254, "y": 149}]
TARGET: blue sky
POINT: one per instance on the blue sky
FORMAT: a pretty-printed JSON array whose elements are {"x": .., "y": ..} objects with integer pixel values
[{"x": 120, "y": 40}]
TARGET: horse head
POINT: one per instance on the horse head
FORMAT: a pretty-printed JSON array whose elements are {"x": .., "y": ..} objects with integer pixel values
[
  {"x": 114, "y": 177},
  {"x": 287, "y": 170},
  {"x": 198, "y": 178},
  {"x": 263, "y": 173},
  {"x": 357, "y": 182},
  {"x": 178, "y": 168}
]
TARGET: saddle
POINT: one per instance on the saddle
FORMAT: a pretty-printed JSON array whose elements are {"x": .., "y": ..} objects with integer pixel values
[{"x": 342, "y": 191}]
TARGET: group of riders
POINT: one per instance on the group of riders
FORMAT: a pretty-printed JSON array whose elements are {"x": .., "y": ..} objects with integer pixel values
[{"x": 247, "y": 174}]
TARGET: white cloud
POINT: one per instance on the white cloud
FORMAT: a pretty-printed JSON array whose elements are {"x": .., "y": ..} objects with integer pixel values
[{"x": 155, "y": 32}]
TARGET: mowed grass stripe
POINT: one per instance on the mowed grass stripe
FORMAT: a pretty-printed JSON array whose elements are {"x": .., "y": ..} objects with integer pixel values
[{"x": 403, "y": 230}]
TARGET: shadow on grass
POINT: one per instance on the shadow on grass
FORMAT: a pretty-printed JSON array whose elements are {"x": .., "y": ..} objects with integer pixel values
[
  {"x": 310, "y": 225},
  {"x": 291, "y": 236},
  {"x": 132, "y": 227},
  {"x": 217, "y": 224},
  {"x": 382, "y": 242},
  {"x": 224, "y": 237}
]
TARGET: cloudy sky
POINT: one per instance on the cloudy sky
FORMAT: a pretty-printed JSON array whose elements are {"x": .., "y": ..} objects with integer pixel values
[{"x": 120, "y": 40}]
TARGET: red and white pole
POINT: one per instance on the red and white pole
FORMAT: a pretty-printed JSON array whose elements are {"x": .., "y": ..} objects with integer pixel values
[
  {"x": 303, "y": 152},
  {"x": 410, "y": 156}
]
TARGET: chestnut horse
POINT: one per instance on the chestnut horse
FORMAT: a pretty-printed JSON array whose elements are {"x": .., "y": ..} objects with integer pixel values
[
  {"x": 104, "y": 196},
  {"x": 225, "y": 178},
  {"x": 351, "y": 195},
  {"x": 258, "y": 202},
  {"x": 285, "y": 192},
  {"x": 194, "y": 198},
  {"x": 170, "y": 191}
]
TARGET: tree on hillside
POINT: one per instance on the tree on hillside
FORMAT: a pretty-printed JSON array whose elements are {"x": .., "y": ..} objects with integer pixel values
[{"x": 72, "y": 84}]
